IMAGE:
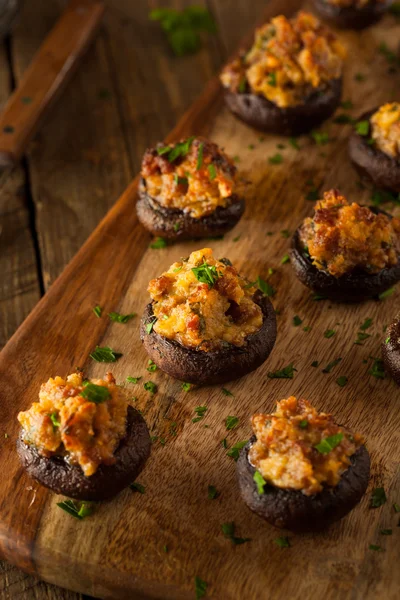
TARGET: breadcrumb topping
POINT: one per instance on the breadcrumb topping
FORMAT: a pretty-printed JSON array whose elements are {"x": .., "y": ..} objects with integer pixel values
[{"x": 385, "y": 123}]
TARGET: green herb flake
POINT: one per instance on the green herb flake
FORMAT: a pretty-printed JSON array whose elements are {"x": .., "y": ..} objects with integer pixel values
[
  {"x": 347, "y": 105},
  {"x": 386, "y": 294},
  {"x": 200, "y": 411},
  {"x": 396, "y": 507},
  {"x": 386, "y": 531},
  {"x": 378, "y": 497},
  {"x": 54, "y": 417},
  {"x": 297, "y": 321},
  {"x": 294, "y": 143},
  {"x": 260, "y": 482},
  {"x": 228, "y": 529},
  {"x": 285, "y": 233},
  {"x": 151, "y": 366},
  {"x": 303, "y": 424},
  {"x": 235, "y": 450},
  {"x": 376, "y": 548},
  {"x": 78, "y": 510},
  {"x": 359, "y": 77},
  {"x": 265, "y": 287},
  {"x": 378, "y": 369},
  {"x": 95, "y": 393},
  {"x": 206, "y": 274},
  {"x": 329, "y": 443},
  {"x": 282, "y": 542},
  {"x": 315, "y": 363},
  {"x": 151, "y": 387},
  {"x": 158, "y": 243},
  {"x": 320, "y": 137},
  {"x": 212, "y": 171},
  {"x": 331, "y": 365},
  {"x": 200, "y": 157},
  {"x": 329, "y": 333},
  {"x": 200, "y": 587},
  {"x": 105, "y": 354},
  {"x": 231, "y": 422},
  {"x": 118, "y": 318},
  {"x": 343, "y": 119},
  {"x": 212, "y": 492},
  {"x": 342, "y": 381},
  {"x": 150, "y": 325},
  {"x": 285, "y": 373},
  {"x": 367, "y": 324},
  {"x": 138, "y": 487},
  {"x": 276, "y": 159},
  {"x": 285, "y": 259},
  {"x": 271, "y": 79},
  {"x": 186, "y": 387},
  {"x": 97, "y": 311},
  {"x": 224, "y": 443},
  {"x": 362, "y": 127},
  {"x": 133, "y": 379}
]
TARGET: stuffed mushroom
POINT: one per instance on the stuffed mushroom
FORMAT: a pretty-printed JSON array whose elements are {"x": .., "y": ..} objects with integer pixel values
[
  {"x": 347, "y": 252},
  {"x": 188, "y": 190},
  {"x": 391, "y": 349},
  {"x": 374, "y": 147},
  {"x": 301, "y": 471},
  {"x": 206, "y": 324},
  {"x": 82, "y": 439},
  {"x": 290, "y": 80},
  {"x": 351, "y": 14}
]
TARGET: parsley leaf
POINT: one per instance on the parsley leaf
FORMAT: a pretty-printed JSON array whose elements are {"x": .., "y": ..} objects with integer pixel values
[
  {"x": 235, "y": 450},
  {"x": 297, "y": 321},
  {"x": 158, "y": 243},
  {"x": 378, "y": 497},
  {"x": 276, "y": 159},
  {"x": 282, "y": 542},
  {"x": 260, "y": 482},
  {"x": 150, "y": 324},
  {"x": 182, "y": 27},
  {"x": 342, "y": 381},
  {"x": 55, "y": 420},
  {"x": 329, "y": 333},
  {"x": 200, "y": 412},
  {"x": 118, "y": 318},
  {"x": 231, "y": 422},
  {"x": 186, "y": 386},
  {"x": 320, "y": 137},
  {"x": 133, "y": 379},
  {"x": 285, "y": 373},
  {"x": 95, "y": 393},
  {"x": 212, "y": 171},
  {"x": 97, "y": 311},
  {"x": 206, "y": 273},
  {"x": 386, "y": 293},
  {"x": 105, "y": 354},
  {"x": 226, "y": 392},
  {"x": 138, "y": 487},
  {"x": 362, "y": 127},
  {"x": 329, "y": 443},
  {"x": 265, "y": 287},
  {"x": 200, "y": 157},
  {"x": 212, "y": 492},
  {"x": 331, "y": 365},
  {"x": 200, "y": 587},
  {"x": 377, "y": 370},
  {"x": 228, "y": 529},
  {"x": 151, "y": 387},
  {"x": 78, "y": 510}
]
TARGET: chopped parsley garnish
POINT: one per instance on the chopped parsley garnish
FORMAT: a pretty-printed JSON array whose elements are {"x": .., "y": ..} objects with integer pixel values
[
  {"x": 342, "y": 381},
  {"x": 97, "y": 311},
  {"x": 235, "y": 450},
  {"x": 105, "y": 354},
  {"x": 331, "y": 365},
  {"x": 285, "y": 233},
  {"x": 329, "y": 443},
  {"x": 285, "y": 373},
  {"x": 133, "y": 379},
  {"x": 212, "y": 492},
  {"x": 386, "y": 532},
  {"x": 303, "y": 424},
  {"x": 151, "y": 366},
  {"x": 282, "y": 542},
  {"x": 378, "y": 497},
  {"x": 260, "y": 482},
  {"x": 315, "y": 363},
  {"x": 347, "y": 104},
  {"x": 375, "y": 547},
  {"x": 359, "y": 77},
  {"x": 150, "y": 325},
  {"x": 271, "y": 79},
  {"x": 226, "y": 392},
  {"x": 138, "y": 487},
  {"x": 285, "y": 259},
  {"x": 386, "y": 294},
  {"x": 79, "y": 510},
  {"x": 362, "y": 127},
  {"x": 312, "y": 195},
  {"x": 224, "y": 443},
  {"x": 228, "y": 529},
  {"x": 54, "y": 419},
  {"x": 387, "y": 53},
  {"x": 165, "y": 548},
  {"x": 293, "y": 142},
  {"x": 276, "y": 159},
  {"x": 212, "y": 171},
  {"x": 329, "y": 333},
  {"x": 396, "y": 507},
  {"x": 151, "y": 387},
  {"x": 95, "y": 393},
  {"x": 361, "y": 337},
  {"x": 320, "y": 137},
  {"x": 186, "y": 386},
  {"x": 158, "y": 243},
  {"x": 200, "y": 157},
  {"x": 297, "y": 321},
  {"x": 231, "y": 422},
  {"x": 343, "y": 119},
  {"x": 200, "y": 587},
  {"x": 200, "y": 412},
  {"x": 367, "y": 323},
  {"x": 118, "y": 318},
  {"x": 377, "y": 370},
  {"x": 265, "y": 287},
  {"x": 237, "y": 238},
  {"x": 206, "y": 273}
]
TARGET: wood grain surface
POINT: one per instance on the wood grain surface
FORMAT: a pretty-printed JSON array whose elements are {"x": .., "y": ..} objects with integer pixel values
[{"x": 119, "y": 551}]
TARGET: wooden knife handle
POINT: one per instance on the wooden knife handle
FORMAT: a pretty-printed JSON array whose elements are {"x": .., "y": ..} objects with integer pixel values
[{"x": 46, "y": 76}]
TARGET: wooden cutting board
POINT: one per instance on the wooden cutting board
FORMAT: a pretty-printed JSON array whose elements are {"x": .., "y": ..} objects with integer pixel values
[{"x": 119, "y": 551}]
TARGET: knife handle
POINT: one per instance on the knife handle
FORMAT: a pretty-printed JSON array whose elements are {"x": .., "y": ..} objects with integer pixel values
[{"x": 44, "y": 79}]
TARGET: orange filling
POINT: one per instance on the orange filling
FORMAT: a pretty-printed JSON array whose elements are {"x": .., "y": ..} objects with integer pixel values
[
  {"x": 204, "y": 304},
  {"x": 197, "y": 181},
  {"x": 65, "y": 423},
  {"x": 288, "y": 60},
  {"x": 342, "y": 237},
  {"x": 300, "y": 449},
  {"x": 385, "y": 124}
]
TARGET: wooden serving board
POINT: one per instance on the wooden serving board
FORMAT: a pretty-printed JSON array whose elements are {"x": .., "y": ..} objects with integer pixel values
[{"x": 119, "y": 551}]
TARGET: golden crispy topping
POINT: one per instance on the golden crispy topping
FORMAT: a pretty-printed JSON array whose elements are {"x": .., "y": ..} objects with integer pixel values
[
  {"x": 298, "y": 448},
  {"x": 353, "y": 3},
  {"x": 288, "y": 60},
  {"x": 203, "y": 303},
  {"x": 386, "y": 129},
  {"x": 65, "y": 423},
  {"x": 342, "y": 237},
  {"x": 197, "y": 181}
]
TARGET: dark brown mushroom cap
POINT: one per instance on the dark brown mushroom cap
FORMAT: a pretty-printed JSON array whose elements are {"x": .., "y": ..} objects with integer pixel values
[
  {"x": 373, "y": 165},
  {"x": 391, "y": 349},
  {"x": 257, "y": 111},
  {"x": 175, "y": 224},
  {"x": 208, "y": 368},
  {"x": 63, "y": 478},
  {"x": 293, "y": 510},
  {"x": 355, "y": 286},
  {"x": 349, "y": 17}
]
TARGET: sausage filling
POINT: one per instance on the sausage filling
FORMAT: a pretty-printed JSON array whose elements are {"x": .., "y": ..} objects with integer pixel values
[
  {"x": 289, "y": 60},
  {"x": 298, "y": 448},
  {"x": 204, "y": 304},
  {"x": 81, "y": 421},
  {"x": 385, "y": 123}
]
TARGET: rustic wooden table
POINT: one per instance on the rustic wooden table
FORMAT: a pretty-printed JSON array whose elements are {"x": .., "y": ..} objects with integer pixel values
[{"x": 128, "y": 93}]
